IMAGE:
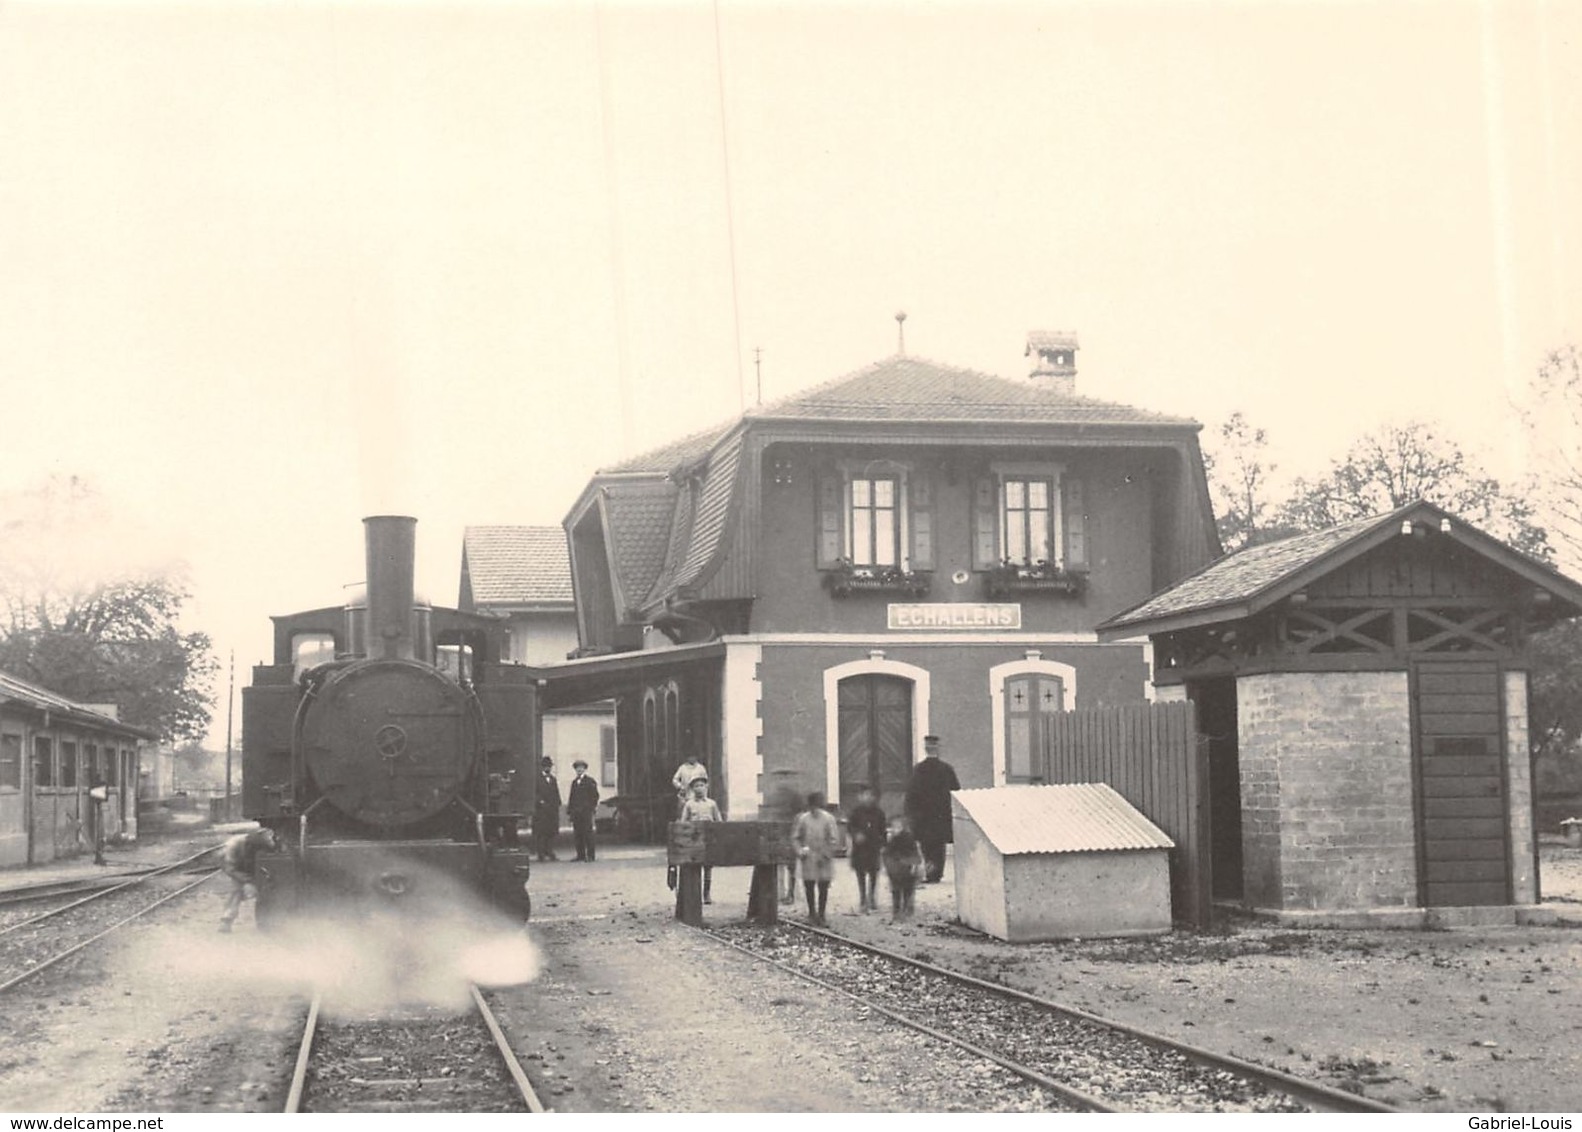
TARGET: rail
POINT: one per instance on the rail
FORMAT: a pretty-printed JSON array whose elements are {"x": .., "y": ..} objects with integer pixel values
[{"x": 1311, "y": 1093}]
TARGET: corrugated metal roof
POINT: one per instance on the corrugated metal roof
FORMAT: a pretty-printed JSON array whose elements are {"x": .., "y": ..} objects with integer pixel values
[{"x": 1079, "y": 818}]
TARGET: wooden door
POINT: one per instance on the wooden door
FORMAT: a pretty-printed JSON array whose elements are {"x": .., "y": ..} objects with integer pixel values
[
  {"x": 1030, "y": 699},
  {"x": 1458, "y": 745},
  {"x": 875, "y": 737}
]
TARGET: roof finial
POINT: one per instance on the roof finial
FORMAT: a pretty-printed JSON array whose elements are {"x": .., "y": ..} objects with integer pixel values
[{"x": 900, "y": 328}]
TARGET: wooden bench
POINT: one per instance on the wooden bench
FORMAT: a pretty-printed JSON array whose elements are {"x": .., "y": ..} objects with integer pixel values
[{"x": 764, "y": 845}]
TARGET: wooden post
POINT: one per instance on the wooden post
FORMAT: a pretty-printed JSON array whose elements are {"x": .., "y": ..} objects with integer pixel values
[
  {"x": 689, "y": 895},
  {"x": 763, "y": 895}
]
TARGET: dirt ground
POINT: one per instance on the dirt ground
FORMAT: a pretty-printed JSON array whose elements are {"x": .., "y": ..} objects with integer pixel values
[
  {"x": 1467, "y": 1019},
  {"x": 631, "y": 1012}
]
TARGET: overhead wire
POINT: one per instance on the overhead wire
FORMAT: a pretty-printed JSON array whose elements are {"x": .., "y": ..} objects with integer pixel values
[{"x": 730, "y": 208}]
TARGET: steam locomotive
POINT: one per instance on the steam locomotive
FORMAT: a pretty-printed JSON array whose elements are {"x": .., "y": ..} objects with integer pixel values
[{"x": 390, "y": 751}]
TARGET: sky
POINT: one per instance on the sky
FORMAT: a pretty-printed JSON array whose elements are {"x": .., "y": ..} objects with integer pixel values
[{"x": 267, "y": 268}]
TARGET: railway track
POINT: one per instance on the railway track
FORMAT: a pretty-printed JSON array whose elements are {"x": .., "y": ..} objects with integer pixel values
[
  {"x": 33, "y": 945},
  {"x": 1077, "y": 1059},
  {"x": 425, "y": 1061}
]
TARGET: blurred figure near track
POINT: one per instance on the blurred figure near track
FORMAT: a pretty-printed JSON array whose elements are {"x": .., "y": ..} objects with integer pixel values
[
  {"x": 239, "y": 862},
  {"x": 903, "y": 864},
  {"x": 868, "y": 828}
]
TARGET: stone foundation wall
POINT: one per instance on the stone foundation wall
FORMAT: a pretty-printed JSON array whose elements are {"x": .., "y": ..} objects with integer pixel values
[{"x": 1326, "y": 787}]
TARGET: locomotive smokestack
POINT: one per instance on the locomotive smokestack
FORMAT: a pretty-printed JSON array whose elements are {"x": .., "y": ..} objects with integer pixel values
[{"x": 392, "y": 553}]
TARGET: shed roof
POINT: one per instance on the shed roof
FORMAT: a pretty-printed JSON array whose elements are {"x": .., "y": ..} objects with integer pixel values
[
  {"x": 1077, "y": 818},
  {"x": 1250, "y": 580},
  {"x": 16, "y": 690},
  {"x": 512, "y": 565}
]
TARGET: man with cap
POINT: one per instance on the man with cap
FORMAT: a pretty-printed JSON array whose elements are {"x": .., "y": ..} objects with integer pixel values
[
  {"x": 582, "y": 798},
  {"x": 546, "y": 810},
  {"x": 928, "y": 806}
]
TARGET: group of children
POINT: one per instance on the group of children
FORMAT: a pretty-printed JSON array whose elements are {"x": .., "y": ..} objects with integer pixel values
[
  {"x": 816, "y": 835},
  {"x": 817, "y": 838}
]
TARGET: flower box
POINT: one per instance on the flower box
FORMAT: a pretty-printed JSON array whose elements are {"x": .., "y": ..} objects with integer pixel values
[
  {"x": 1041, "y": 577},
  {"x": 846, "y": 579}
]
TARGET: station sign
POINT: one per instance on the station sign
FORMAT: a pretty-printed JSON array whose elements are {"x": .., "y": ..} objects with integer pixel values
[{"x": 966, "y": 615}]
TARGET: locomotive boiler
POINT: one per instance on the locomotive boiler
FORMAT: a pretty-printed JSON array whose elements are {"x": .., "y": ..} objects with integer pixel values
[{"x": 390, "y": 750}]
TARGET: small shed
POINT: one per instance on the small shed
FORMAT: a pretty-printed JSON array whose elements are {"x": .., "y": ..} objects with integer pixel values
[
  {"x": 1058, "y": 862},
  {"x": 1362, "y": 692}
]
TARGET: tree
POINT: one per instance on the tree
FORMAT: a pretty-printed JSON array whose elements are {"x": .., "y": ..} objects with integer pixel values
[
  {"x": 1399, "y": 464},
  {"x": 81, "y": 620},
  {"x": 1553, "y": 423},
  {"x": 1239, "y": 474}
]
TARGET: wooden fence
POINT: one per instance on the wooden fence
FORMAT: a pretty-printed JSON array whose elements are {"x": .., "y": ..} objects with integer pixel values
[{"x": 1151, "y": 755}]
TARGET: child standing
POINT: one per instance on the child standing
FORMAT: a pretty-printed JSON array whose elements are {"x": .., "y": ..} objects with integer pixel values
[
  {"x": 903, "y": 861},
  {"x": 868, "y": 829},
  {"x": 816, "y": 836},
  {"x": 700, "y": 807}
]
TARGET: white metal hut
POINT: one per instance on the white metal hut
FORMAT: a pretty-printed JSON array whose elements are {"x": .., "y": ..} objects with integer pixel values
[{"x": 1056, "y": 862}]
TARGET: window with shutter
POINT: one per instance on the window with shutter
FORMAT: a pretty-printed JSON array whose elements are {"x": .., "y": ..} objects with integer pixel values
[
  {"x": 921, "y": 497},
  {"x": 985, "y": 524},
  {"x": 829, "y": 520},
  {"x": 1076, "y": 524}
]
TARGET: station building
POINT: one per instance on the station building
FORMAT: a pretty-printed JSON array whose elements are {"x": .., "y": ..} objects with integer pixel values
[
  {"x": 803, "y": 593},
  {"x": 53, "y": 751}
]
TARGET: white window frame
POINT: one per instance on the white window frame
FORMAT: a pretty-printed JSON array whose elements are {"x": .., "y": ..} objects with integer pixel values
[
  {"x": 871, "y": 470},
  {"x": 1055, "y": 474}
]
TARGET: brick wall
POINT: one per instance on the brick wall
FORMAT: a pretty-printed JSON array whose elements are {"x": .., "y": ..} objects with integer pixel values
[{"x": 1326, "y": 790}]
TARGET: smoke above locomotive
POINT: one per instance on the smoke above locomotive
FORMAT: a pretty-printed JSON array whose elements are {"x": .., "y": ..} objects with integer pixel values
[{"x": 387, "y": 744}]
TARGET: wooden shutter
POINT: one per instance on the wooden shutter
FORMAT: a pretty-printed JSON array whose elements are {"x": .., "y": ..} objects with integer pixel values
[
  {"x": 829, "y": 519},
  {"x": 920, "y": 490},
  {"x": 1076, "y": 524},
  {"x": 985, "y": 523}
]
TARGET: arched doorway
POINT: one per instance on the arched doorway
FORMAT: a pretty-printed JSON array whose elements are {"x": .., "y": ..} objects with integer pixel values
[{"x": 875, "y": 728}]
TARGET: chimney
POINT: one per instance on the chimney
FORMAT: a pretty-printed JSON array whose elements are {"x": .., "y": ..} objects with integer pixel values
[
  {"x": 1055, "y": 359},
  {"x": 391, "y": 559}
]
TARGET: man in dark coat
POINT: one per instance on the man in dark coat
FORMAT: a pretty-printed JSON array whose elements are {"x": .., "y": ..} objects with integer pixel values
[
  {"x": 546, "y": 810},
  {"x": 928, "y": 806},
  {"x": 582, "y": 798}
]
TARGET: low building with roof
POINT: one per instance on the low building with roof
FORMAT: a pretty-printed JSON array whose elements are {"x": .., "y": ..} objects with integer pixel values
[
  {"x": 53, "y": 751},
  {"x": 522, "y": 575},
  {"x": 801, "y": 594},
  {"x": 1363, "y": 690},
  {"x": 1059, "y": 862}
]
